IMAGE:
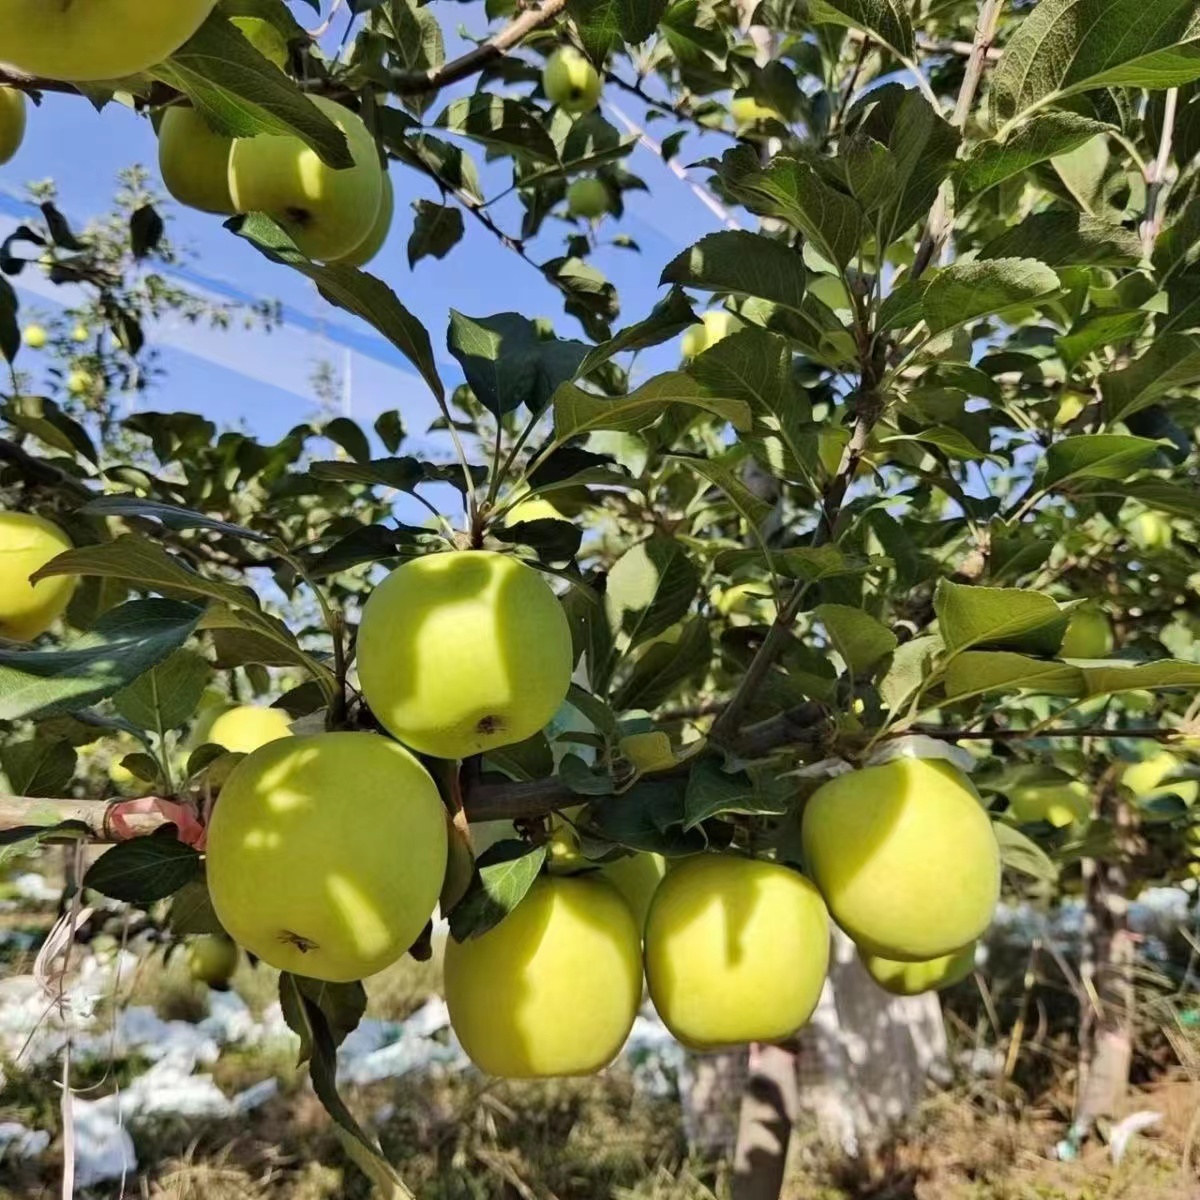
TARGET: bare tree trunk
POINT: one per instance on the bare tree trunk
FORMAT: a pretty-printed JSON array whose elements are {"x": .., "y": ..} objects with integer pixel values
[
  {"x": 1106, "y": 974},
  {"x": 770, "y": 1105},
  {"x": 709, "y": 1087}
]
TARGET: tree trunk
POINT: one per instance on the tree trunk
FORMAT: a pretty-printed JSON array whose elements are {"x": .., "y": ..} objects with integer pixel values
[
  {"x": 709, "y": 1088},
  {"x": 770, "y": 1105},
  {"x": 1106, "y": 975}
]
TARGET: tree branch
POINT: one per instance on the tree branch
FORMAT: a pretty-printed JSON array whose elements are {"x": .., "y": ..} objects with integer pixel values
[
  {"x": 408, "y": 83},
  {"x": 1156, "y": 174},
  {"x": 938, "y": 226}
]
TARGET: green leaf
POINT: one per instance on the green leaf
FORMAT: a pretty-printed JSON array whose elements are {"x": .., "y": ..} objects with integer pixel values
[
  {"x": 405, "y": 473},
  {"x": 1068, "y": 46},
  {"x": 857, "y": 636},
  {"x": 1097, "y": 329},
  {"x": 48, "y": 423},
  {"x": 508, "y": 363},
  {"x": 1010, "y": 617},
  {"x": 887, "y": 21},
  {"x": 165, "y": 696},
  {"x": 343, "y": 1006},
  {"x": 577, "y": 411},
  {"x": 1098, "y": 456},
  {"x": 662, "y": 669},
  {"x": 910, "y": 670},
  {"x": 10, "y": 330},
  {"x": 192, "y": 911},
  {"x": 978, "y": 672},
  {"x": 503, "y": 876},
  {"x": 1067, "y": 239},
  {"x": 437, "y": 229},
  {"x": 605, "y": 24},
  {"x": 240, "y": 637},
  {"x": 243, "y": 94},
  {"x": 320, "y": 1045},
  {"x": 742, "y": 264},
  {"x": 966, "y": 291},
  {"x": 1171, "y": 362},
  {"x": 502, "y": 124},
  {"x": 349, "y": 436},
  {"x": 712, "y": 792},
  {"x": 792, "y": 191},
  {"x": 723, "y": 472},
  {"x": 1043, "y": 137},
  {"x": 124, "y": 642},
  {"x": 42, "y": 767},
  {"x": 670, "y": 317},
  {"x": 650, "y": 587},
  {"x": 145, "y": 869},
  {"x": 813, "y": 563},
  {"x": 1166, "y": 674},
  {"x": 351, "y": 289},
  {"x": 170, "y": 515},
  {"x": 1020, "y": 853}
]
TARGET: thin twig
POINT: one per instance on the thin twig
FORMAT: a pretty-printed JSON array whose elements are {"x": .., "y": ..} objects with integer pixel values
[
  {"x": 1156, "y": 174},
  {"x": 938, "y": 226}
]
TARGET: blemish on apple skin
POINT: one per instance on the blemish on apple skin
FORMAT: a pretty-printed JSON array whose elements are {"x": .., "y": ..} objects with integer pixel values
[
  {"x": 490, "y": 725},
  {"x": 303, "y": 944},
  {"x": 299, "y": 216}
]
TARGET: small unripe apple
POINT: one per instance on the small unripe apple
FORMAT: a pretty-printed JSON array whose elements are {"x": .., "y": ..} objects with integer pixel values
[
  {"x": 463, "y": 652},
  {"x": 1152, "y": 531},
  {"x": 34, "y": 336},
  {"x": 715, "y": 325},
  {"x": 1058, "y": 804},
  {"x": 212, "y": 959},
  {"x": 736, "y": 951},
  {"x": 326, "y": 854},
  {"x": 905, "y": 857},
  {"x": 554, "y": 988},
  {"x": 80, "y": 333},
  {"x": 588, "y": 198},
  {"x": 28, "y": 543},
  {"x": 746, "y": 110},
  {"x": 571, "y": 82},
  {"x": 245, "y": 727},
  {"x": 1151, "y": 777},
  {"x": 193, "y": 159},
  {"x": 1089, "y": 635},
  {"x": 80, "y": 382},
  {"x": 12, "y": 121},
  {"x": 326, "y": 212},
  {"x": 913, "y": 978},
  {"x": 88, "y": 40}
]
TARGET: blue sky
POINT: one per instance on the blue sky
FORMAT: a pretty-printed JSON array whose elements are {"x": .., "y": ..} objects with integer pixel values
[{"x": 263, "y": 380}]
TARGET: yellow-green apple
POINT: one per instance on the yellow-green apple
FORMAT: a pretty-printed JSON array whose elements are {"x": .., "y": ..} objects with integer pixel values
[
  {"x": 1059, "y": 803},
  {"x": 12, "y": 122},
  {"x": 905, "y": 857},
  {"x": 714, "y": 325},
  {"x": 371, "y": 245},
  {"x": 736, "y": 950},
  {"x": 193, "y": 159},
  {"x": 212, "y": 959},
  {"x": 28, "y": 543},
  {"x": 913, "y": 978},
  {"x": 588, "y": 198},
  {"x": 462, "y": 652},
  {"x": 326, "y": 854},
  {"x": 554, "y": 988},
  {"x": 1089, "y": 634},
  {"x": 571, "y": 82}
]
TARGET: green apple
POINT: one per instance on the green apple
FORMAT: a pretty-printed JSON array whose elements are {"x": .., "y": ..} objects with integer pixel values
[
  {"x": 326, "y": 854},
  {"x": 193, "y": 159},
  {"x": 87, "y": 40},
  {"x": 1150, "y": 778},
  {"x": 81, "y": 382},
  {"x": 736, "y": 951},
  {"x": 80, "y": 333},
  {"x": 28, "y": 543},
  {"x": 462, "y": 652},
  {"x": 245, "y": 727},
  {"x": 264, "y": 37},
  {"x": 554, "y": 988},
  {"x": 913, "y": 978},
  {"x": 212, "y": 959},
  {"x": 326, "y": 212},
  {"x": 1089, "y": 635},
  {"x": 12, "y": 122},
  {"x": 588, "y": 199},
  {"x": 714, "y": 326},
  {"x": 1060, "y": 804},
  {"x": 571, "y": 82},
  {"x": 35, "y": 336},
  {"x": 636, "y": 877},
  {"x": 905, "y": 857},
  {"x": 746, "y": 111},
  {"x": 371, "y": 245},
  {"x": 1151, "y": 531}
]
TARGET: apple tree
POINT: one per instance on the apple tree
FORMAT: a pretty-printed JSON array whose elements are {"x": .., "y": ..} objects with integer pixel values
[{"x": 918, "y": 496}]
